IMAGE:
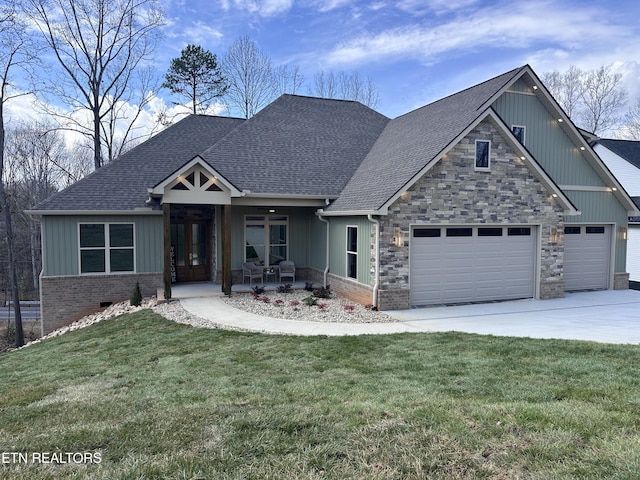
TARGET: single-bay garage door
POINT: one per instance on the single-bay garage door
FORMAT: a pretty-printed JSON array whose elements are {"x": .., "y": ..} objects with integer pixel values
[
  {"x": 454, "y": 264},
  {"x": 587, "y": 257},
  {"x": 633, "y": 253}
]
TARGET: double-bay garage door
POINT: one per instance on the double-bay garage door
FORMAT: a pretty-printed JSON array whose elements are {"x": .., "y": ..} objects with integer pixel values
[
  {"x": 587, "y": 257},
  {"x": 453, "y": 264}
]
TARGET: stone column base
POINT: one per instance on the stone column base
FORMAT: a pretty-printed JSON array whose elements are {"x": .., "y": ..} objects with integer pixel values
[{"x": 620, "y": 281}]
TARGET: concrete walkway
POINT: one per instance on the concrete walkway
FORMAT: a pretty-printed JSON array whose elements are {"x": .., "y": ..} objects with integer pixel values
[{"x": 611, "y": 316}]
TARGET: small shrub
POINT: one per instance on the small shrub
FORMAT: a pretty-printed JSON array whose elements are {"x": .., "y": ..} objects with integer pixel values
[
  {"x": 310, "y": 301},
  {"x": 323, "y": 306},
  {"x": 322, "y": 292},
  {"x": 308, "y": 286},
  {"x": 136, "y": 296},
  {"x": 257, "y": 290},
  {"x": 266, "y": 299},
  {"x": 279, "y": 302},
  {"x": 349, "y": 308},
  {"x": 294, "y": 303},
  {"x": 284, "y": 288}
]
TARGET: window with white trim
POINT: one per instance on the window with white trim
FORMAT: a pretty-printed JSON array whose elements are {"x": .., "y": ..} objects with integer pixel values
[
  {"x": 106, "y": 247},
  {"x": 483, "y": 153},
  {"x": 266, "y": 239},
  {"x": 519, "y": 133},
  {"x": 352, "y": 252}
]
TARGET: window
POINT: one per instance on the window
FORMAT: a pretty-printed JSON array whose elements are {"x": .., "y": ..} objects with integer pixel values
[
  {"x": 572, "y": 230},
  {"x": 518, "y": 132},
  {"x": 459, "y": 232},
  {"x": 106, "y": 247},
  {"x": 590, "y": 230},
  {"x": 426, "y": 232},
  {"x": 483, "y": 150},
  {"x": 519, "y": 231},
  {"x": 490, "y": 232},
  {"x": 266, "y": 239},
  {"x": 352, "y": 252}
]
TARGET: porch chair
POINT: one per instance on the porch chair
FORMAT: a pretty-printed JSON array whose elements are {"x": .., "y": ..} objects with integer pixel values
[
  {"x": 288, "y": 269},
  {"x": 252, "y": 271}
]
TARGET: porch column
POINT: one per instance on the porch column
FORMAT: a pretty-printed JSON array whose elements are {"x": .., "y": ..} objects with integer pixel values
[
  {"x": 166, "y": 230},
  {"x": 226, "y": 249}
]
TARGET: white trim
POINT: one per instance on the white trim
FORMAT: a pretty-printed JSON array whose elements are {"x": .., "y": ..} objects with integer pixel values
[
  {"x": 107, "y": 249},
  {"x": 585, "y": 188},
  {"x": 148, "y": 211}
]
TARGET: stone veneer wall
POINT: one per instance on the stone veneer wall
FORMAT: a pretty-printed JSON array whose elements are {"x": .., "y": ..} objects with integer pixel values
[
  {"x": 621, "y": 281},
  {"x": 66, "y": 299},
  {"x": 452, "y": 192}
]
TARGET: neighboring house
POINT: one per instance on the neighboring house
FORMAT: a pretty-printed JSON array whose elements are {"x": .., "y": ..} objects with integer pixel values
[
  {"x": 488, "y": 194},
  {"x": 623, "y": 159}
]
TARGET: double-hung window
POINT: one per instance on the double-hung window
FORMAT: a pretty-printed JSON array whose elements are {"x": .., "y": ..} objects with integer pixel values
[
  {"x": 483, "y": 153},
  {"x": 352, "y": 252},
  {"x": 266, "y": 239},
  {"x": 106, "y": 247}
]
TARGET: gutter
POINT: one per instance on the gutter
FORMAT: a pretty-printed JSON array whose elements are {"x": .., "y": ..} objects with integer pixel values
[
  {"x": 377, "y": 264},
  {"x": 326, "y": 269}
]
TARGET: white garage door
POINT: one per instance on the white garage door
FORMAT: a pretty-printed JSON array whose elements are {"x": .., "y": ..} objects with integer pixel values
[
  {"x": 633, "y": 253},
  {"x": 471, "y": 264},
  {"x": 587, "y": 257}
]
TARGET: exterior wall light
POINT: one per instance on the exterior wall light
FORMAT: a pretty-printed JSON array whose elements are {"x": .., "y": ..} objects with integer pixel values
[
  {"x": 398, "y": 239},
  {"x": 553, "y": 235},
  {"x": 622, "y": 233},
  {"x": 560, "y": 120}
]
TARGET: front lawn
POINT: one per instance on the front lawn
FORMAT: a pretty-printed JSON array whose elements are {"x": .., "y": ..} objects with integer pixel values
[{"x": 150, "y": 398}]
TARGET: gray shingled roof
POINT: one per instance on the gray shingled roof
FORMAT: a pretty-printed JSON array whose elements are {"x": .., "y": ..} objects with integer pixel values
[
  {"x": 410, "y": 142},
  {"x": 627, "y": 149},
  {"x": 298, "y": 146},
  {"x": 122, "y": 184}
]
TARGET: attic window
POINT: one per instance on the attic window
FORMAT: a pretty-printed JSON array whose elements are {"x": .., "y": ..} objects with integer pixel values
[
  {"x": 518, "y": 132},
  {"x": 483, "y": 152}
]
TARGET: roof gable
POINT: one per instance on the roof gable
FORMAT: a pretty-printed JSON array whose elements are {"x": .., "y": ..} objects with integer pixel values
[
  {"x": 122, "y": 184},
  {"x": 628, "y": 150}
]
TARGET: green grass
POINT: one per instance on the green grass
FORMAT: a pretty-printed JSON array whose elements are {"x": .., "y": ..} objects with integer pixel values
[{"x": 162, "y": 400}]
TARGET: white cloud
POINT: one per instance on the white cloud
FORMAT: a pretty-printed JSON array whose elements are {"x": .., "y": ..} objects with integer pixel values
[
  {"x": 264, "y": 8},
  {"x": 520, "y": 26}
]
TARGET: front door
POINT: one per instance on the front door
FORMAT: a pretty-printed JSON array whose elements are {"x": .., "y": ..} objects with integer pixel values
[{"x": 191, "y": 244}]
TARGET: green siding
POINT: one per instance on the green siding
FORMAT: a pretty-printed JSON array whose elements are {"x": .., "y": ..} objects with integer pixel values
[
  {"x": 338, "y": 246},
  {"x": 60, "y": 242},
  {"x": 544, "y": 138}
]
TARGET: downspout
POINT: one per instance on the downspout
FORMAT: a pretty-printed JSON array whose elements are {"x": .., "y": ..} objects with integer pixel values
[
  {"x": 377, "y": 263},
  {"x": 326, "y": 269}
]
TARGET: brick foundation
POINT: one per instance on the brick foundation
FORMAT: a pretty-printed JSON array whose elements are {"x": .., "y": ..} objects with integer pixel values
[
  {"x": 393, "y": 299},
  {"x": 351, "y": 289},
  {"x": 66, "y": 299}
]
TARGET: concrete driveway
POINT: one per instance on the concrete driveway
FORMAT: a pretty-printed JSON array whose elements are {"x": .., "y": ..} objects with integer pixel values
[{"x": 611, "y": 316}]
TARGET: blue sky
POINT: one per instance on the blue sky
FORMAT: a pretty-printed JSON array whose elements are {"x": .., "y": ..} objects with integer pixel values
[{"x": 416, "y": 51}]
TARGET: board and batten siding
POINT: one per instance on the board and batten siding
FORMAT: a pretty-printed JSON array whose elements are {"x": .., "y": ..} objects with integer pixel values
[
  {"x": 546, "y": 140},
  {"x": 338, "y": 247},
  {"x": 60, "y": 242}
]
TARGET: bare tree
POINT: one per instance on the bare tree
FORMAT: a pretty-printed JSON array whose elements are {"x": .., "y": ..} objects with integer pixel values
[
  {"x": 345, "y": 86},
  {"x": 98, "y": 45},
  {"x": 603, "y": 97},
  {"x": 16, "y": 53},
  {"x": 631, "y": 123},
  {"x": 249, "y": 73},
  {"x": 593, "y": 99},
  {"x": 287, "y": 79}
]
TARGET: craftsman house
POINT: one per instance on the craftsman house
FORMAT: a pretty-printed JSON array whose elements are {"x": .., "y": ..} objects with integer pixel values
[{"x": 488, "y": 194}]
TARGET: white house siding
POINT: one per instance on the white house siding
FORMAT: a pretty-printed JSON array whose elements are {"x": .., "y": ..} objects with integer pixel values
[{"x": 627, "y": 174}]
